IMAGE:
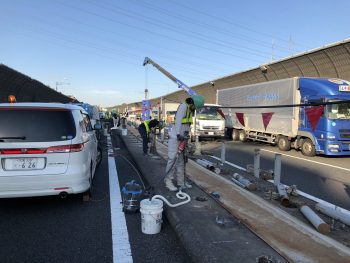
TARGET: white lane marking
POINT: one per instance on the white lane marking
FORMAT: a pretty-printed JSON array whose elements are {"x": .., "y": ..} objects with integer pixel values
[
  {"x": 232, "y": 164},
  {"x": 120, "y": 238},
  {"x": 338, "y": 167}
]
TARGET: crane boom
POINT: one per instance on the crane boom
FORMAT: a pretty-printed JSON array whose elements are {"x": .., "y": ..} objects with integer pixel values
[{"x": 180, "y": 84}]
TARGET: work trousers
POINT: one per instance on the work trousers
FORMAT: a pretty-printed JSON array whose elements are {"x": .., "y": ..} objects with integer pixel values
[
  {"x": 143, "y": 133},
  {"x": 176, "y": 165}
]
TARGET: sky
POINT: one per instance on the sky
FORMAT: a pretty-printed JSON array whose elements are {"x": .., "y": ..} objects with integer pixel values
[{"x": 94, "y": 49}]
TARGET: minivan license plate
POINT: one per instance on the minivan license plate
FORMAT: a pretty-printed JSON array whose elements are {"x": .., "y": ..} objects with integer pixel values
[{"x": 24, "y": 163}]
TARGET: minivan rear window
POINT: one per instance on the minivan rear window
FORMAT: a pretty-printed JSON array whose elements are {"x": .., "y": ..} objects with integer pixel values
[{"x": 36, "y": 125}]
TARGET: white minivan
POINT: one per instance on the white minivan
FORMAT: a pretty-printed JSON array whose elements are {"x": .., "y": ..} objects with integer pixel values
[{"x": 45, "y": 149}]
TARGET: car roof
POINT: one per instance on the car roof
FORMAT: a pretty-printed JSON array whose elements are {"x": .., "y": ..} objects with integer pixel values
[{"x": 42, "y": 105}]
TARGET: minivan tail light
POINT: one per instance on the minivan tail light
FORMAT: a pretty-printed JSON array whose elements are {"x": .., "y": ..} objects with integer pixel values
[
  {"x": 65, "y": 148},
  {"x": 53, "y": 149},
  {"x": 22, "y": 151},
  {"x": 11, "y": 151}
]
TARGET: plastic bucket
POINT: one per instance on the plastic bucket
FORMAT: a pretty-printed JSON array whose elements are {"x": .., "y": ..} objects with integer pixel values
[
  {"x": 151, "y": 216},
  {"x": 124, "y": 132}
]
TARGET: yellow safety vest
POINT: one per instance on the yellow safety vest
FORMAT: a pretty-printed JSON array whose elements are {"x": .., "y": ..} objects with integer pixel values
[
  {"x": 188, "y": 118},
  {"x": 147, "y": 127}
]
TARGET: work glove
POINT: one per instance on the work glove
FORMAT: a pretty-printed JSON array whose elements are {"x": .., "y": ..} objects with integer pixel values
[{"x": 180, "y": 138}]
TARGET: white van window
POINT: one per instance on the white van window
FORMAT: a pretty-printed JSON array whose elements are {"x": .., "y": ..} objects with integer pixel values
[
  {"x": 87, "y": 122},
  {"x": 36, "y": 124}
]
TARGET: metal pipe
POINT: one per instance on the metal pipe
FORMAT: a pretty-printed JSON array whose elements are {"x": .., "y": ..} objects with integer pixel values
[
  {"x": 277, "y": 170},
  {"x": 333, "y": 212},
  {"x": 237, "y": 182},
  {"x": 208, "y": 165},
  {"x": 281, "y": 189},
  {"x": 257, "y": 163},
  {"x": 315, "y": 220},
  {"x": 245, "y": 182}
]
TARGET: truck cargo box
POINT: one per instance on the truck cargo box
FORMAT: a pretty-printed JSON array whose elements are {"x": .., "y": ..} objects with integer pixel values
[{"x": 284, "y": 121}]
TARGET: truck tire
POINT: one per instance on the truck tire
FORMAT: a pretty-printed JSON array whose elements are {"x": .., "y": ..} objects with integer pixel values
[
  {"x": 308, "y": 148},
  {"x": 235, "y": 135},
  {"x": 283, "y": 143},
  {"x": 242, "y": 136}
]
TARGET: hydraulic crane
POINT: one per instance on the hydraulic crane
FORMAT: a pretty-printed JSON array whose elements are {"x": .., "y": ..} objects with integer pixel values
[{"x": 170, "y": 76}]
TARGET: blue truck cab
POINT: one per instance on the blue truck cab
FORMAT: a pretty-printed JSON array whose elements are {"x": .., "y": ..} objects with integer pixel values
[{"x": 331, "y": 135}]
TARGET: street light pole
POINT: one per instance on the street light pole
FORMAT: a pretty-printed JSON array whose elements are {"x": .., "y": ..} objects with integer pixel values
[{"x": 61, "y": 83}]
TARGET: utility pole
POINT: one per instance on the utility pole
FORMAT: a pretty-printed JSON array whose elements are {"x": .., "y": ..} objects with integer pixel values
[
  {"x": 290, "y": 45},
  {"x": 273, "y": 50},
  {"x": 58, "y": 83}
]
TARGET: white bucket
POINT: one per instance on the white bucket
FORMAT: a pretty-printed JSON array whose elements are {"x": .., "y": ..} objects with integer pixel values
[
  {"x": 124, "y": 132},
  {"x": 151, "y": 216}
]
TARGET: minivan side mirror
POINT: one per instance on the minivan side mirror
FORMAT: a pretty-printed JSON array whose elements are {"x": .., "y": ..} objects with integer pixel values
[{"x": 97, "y": 126}]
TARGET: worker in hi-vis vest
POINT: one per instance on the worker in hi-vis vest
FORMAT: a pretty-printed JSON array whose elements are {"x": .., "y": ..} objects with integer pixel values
[
  {"x": 180, "y": 132},
  {"x": 144, "y": 130}
]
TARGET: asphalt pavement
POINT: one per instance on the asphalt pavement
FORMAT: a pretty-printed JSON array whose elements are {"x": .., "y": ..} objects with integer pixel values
[
  {"x": 51, "y": 229},
  {"x": 161, "y": 247}
]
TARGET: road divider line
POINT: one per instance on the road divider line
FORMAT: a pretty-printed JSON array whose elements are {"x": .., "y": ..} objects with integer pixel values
[
  {"x": 120, "y": 238},
  {"x": 338, "y": 167}
]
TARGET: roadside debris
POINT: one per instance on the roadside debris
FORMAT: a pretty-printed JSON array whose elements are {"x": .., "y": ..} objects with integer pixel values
[
  {"x": 243, "y": 182},
  {"x": 224, "y": 222},
  {"x": 266, "y": 259},
  {"x": 215, "y": 194},
  {"x": 315, "y": 220},
  {"x": 283, "y": 194},
  {"x": 334, "y": 212},
  {"x": 201, "y": 198},
  {"x": 209, "y": 165}
]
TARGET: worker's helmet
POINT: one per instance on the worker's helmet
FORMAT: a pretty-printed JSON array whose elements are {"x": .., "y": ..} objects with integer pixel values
[{"x": 198, "y": 101}]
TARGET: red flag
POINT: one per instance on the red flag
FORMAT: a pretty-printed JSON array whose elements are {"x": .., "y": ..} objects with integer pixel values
[
  {"x": 240, "y": 117},
  {"x": 266, "y": 117},
  {"x": 314, "y": 115},
  {"x": 221, "y": 113}
]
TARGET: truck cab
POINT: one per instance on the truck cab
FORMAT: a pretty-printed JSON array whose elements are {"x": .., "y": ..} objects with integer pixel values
[{"x": 208, "y": 122}]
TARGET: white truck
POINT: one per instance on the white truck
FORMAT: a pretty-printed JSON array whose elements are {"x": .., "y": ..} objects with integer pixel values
[
  {"x": 207, "y": 122},
  {"x": 316, "y": 128}
]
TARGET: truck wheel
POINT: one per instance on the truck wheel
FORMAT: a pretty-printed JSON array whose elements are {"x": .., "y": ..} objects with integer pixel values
[
  {"x": 242, "y": 136},
  {"x": 235, "y": 135},
  {"x": 283, "y": 143},
  {"x": 308, "y": 148}
]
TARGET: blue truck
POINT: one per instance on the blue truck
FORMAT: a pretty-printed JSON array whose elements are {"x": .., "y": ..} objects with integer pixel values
[{"x": 320, "y": 127}]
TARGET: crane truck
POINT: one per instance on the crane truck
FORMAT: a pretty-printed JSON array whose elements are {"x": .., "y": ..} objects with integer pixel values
[
  {"x": 309, "y": 114},
  {"x": 207, "y": 121}
]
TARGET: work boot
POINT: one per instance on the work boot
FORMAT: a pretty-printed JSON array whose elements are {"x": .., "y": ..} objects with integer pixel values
[
  {"x": 169, "y": 184},
  {"x": 185, "y": 186},
  {"x": 188, "y": 185}
]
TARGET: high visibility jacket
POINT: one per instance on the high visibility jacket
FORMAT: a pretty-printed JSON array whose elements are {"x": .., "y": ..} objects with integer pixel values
[
  {"x": 188, "y": 117},
  {"x": 146, "y": 126}
]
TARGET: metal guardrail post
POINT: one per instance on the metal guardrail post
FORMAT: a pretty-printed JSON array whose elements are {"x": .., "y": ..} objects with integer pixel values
[
  {"x": 277, "y": 170},
  {"x": 223, "y": 153},
  {"x": 198, "y": 150},
  {"x": 257, "y": 163}
]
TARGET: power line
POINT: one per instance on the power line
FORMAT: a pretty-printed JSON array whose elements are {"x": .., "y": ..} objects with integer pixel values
[
  {"x": 187, "y": 31},
  {"x": 229, "y": 22},
  {"x": 159, "y": 34},
  {"x": 206, "y": 25}
]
